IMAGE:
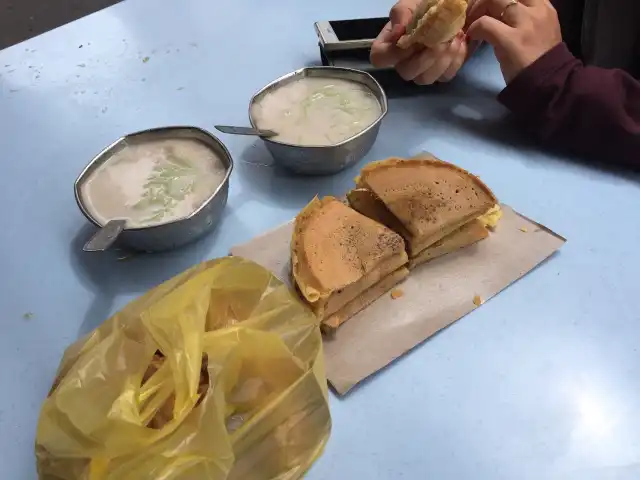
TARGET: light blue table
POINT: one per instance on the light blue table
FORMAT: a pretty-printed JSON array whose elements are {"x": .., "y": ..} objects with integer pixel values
[{"x": 543, "y": 382}]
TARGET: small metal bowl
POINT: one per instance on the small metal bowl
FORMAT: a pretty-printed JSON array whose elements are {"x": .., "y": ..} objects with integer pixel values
[
  {"x": 179, "y": 232},
  {"x": 324, "y": 160}
]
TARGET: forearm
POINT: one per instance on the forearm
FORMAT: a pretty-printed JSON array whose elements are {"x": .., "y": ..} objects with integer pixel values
[{"x": 588, "y": 110}]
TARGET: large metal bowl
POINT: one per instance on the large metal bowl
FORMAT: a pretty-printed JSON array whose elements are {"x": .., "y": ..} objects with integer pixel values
[
  {"x": 179, "y": 232},
  {"x": 324, "y": 160}
]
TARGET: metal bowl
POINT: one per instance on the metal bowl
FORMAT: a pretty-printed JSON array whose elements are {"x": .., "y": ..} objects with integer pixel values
[
  {"x": 324, "y": 160},
  {"x": 179, "y": 232}
]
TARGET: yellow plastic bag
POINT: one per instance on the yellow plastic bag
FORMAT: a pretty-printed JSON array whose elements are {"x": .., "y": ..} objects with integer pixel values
[{"x": 216, "y": 374}]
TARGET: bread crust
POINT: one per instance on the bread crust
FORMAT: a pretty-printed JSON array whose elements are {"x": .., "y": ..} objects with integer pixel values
[{"x": 435, "y": 22}]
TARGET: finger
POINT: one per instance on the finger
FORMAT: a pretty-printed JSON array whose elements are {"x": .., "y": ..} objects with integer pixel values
[
  {"x": 528, "y": 3},
  {"x": 440, "y": 66},
  {"x": 388, "y": 55},
  {"x": 504, "y": 10},
  {"x": 487, "y": 29},
  {"x": 384, "y": 52},
  {"x": 456, "y": 64},
  {"x": 391, "y": 33},
  {"x": 396, "y": 32},
  {"x": 415, "y": 65},
  {"x": 385, "y": 34},
  {"x": 400, "y": 14}
]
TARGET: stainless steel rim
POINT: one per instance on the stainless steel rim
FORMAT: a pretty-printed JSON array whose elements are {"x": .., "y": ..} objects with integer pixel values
[
  {"x": 301, "y": 72},
  {"x": 76, "y": 184}
]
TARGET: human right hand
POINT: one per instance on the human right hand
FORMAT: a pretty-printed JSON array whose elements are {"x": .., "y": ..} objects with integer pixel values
[
  {"x": 520, "y": 32},
  {"x": 419, "y": 64}
]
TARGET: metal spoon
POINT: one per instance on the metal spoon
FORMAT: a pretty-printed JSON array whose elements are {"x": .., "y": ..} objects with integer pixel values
[
  {"x": 105, "y": 237},
  {"x": 244, "y": 131}
]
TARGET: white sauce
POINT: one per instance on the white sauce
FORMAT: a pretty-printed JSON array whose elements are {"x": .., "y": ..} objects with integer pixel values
[
  {"x": 317, "y": 111},
  {"x": 153, "y": 183}
]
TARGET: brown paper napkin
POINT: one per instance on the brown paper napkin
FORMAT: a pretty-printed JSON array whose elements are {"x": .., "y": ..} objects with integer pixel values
[{"x": 435, "y": 294}]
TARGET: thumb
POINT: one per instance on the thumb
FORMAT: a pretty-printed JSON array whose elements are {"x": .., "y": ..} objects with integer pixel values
[
  {"x": 488, "y": 29},
  {"x": 400, "y": 15},
  {"x": 399, "y": 18}
]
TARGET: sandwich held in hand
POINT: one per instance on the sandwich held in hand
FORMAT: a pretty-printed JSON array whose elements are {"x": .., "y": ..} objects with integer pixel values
[
  {"x": 342, "y": 261},
  {"x": 434, "y": 22},
  {"x": 435, "y": 206}
]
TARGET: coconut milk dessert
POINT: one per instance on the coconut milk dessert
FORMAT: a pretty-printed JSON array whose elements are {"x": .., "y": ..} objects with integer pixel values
[
  {"x": 317, "y": 111},
  {"x": 152, "y": 183}
]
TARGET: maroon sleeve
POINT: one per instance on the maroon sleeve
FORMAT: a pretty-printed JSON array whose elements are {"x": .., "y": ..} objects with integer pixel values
[{"x": 588, "y": 110}]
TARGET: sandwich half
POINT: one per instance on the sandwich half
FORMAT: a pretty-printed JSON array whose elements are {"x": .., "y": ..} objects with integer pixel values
[
  {"x": 435, "y": 206},
  {"x": 365, "y": 202},
  {"x": 342, "y": 261},
  {"x": 435, "y": 22},
  {"x": 465, "y": 236}
]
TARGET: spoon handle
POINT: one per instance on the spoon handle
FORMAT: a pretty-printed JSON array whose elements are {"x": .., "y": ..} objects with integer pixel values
[
  {"x": 232, "y": 130},
  {"x": 105, "y": 237}
]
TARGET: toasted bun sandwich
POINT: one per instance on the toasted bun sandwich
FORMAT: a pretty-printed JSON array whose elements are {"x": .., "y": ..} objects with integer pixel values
[
  {"x": 434, "y": 205},
  {"x": 435, "y": 22},
  {"x": 465, "y": 236},
  {"x": 366, "y": 298},
  {"x": 342, "y": 261},
  {"x": 365, "y": 202}
]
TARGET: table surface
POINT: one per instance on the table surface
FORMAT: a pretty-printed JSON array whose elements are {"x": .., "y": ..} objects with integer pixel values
[{"x": 541, "y": 382}]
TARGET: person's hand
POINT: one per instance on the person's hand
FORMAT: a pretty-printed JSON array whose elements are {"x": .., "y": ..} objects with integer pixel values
[
  {"x": 384, "y": 52},
  {"x": 421, "y": 65},
  {"x": 520, "y": 32}
]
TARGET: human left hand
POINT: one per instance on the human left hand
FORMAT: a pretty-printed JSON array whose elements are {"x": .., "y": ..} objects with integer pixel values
[
  {"x": 384, "y": 51},
  {"x": 438, "y": 64},
  {"x": 418, "y": 64}
]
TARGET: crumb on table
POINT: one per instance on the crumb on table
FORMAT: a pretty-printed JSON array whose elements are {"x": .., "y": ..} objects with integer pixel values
[
  {"x": 397, "y": 293},
  {"x": 477, "y": 300},
  {"x": 524, "y": 229}
]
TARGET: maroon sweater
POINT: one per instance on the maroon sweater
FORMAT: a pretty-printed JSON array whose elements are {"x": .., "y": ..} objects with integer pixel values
[{"x": 589, "y": 110}]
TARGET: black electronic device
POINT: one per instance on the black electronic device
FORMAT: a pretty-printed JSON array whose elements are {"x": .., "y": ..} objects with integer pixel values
[
  {"x": 347, "y": 43},
  {"x": 349, "y": 34}
]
